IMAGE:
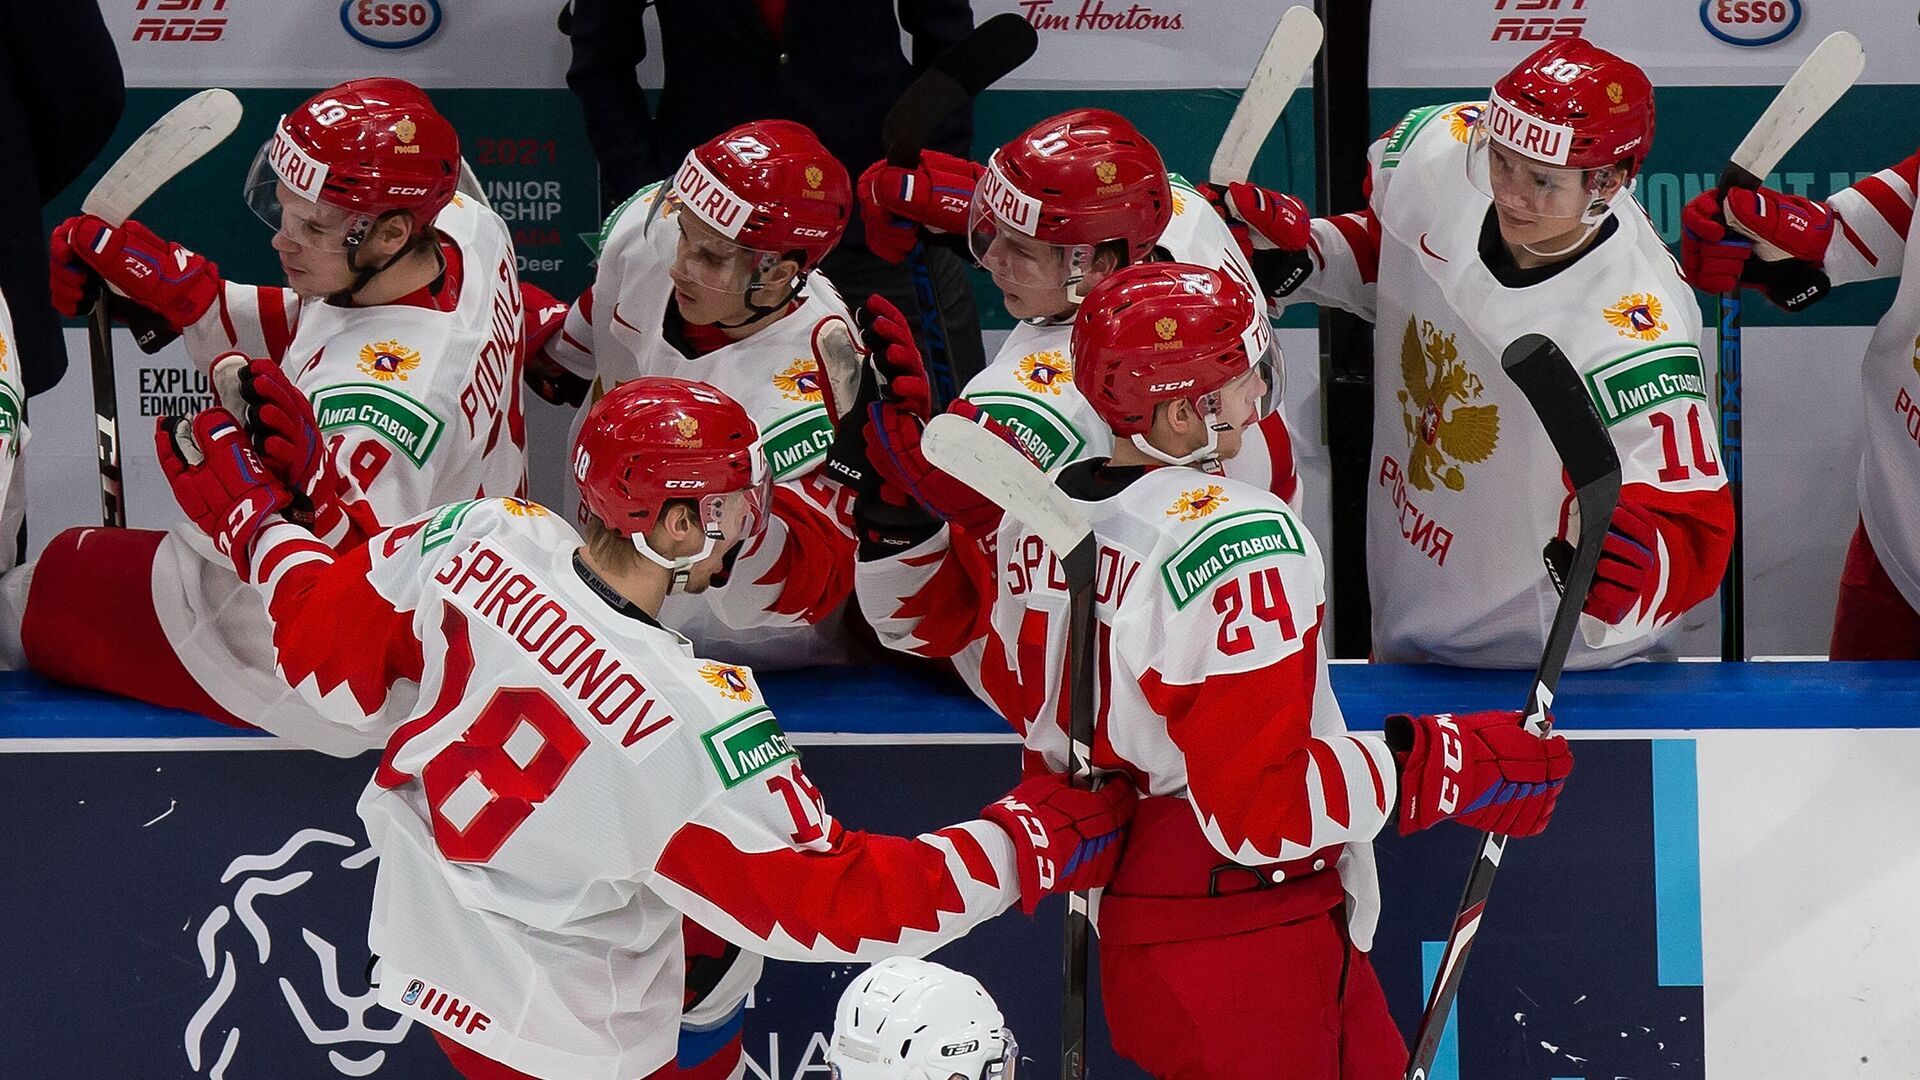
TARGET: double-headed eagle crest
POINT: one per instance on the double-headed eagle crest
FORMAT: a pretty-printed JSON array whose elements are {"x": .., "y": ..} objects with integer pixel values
[{"x": 1443, "y": 429}]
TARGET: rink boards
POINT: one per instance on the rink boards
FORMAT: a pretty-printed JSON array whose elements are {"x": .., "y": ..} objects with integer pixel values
[{"x": 1725, "y": 889}]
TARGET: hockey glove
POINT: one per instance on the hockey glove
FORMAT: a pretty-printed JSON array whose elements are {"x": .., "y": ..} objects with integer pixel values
[
  {"x": 543, "y": 316},
  {"x": 896, "y": 420},
  {"x": 162, "y": 277},
  {"x": 1065, "y": 839},
  {"x": 1273, "y": 230},
  {"x": 1629, "y": 566},
  {"x": 895, "y": 202},
  {"x": 219, "y": 481},
  {"x": 1789, "y": 233},
  {"x": 287, "y": 437},
  {"x": 1482, "y": 769}
]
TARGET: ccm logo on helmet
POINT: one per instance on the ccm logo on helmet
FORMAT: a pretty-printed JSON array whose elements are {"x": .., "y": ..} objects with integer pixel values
[
  {"x": 388, "y": 25},
  {"x": 675, "y": 484},
  {"x": 1750, "y": 23},
  {"x": 1167, "y": 387}
]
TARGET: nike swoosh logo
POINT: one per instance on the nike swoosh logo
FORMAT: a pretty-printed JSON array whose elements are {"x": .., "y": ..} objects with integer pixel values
[{"x": 1430, "y": 251}]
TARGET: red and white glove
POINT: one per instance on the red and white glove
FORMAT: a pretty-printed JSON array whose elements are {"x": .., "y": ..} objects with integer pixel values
[
  {"x": 287, "y": 437},
  {"x": 1718, "y": 236},
  {"x": 894, "y": 424},
  {"x": 162, "y": 277},
  {"x": 219, "y": 481},
  {"x": 1629, "y": 566},
  {"x": 895, "y": 201},
  {"x": 1065, "y": 839},
  {"x": 1260, "y": 219},
  {"x": 1481, "y": 769}
]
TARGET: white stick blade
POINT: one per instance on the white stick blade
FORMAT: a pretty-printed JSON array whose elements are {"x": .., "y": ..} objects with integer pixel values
[
  {"x": 1822, "y": 77},
  {"x": 175, "y": 141},
  {"x": 1283, "y": 64},
  {"x": 979, "y": 459}
]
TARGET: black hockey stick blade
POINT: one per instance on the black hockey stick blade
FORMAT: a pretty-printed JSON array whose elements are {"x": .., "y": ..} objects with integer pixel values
[
  {"x": 1579, "y": 437},
  {"x": 979, "y": 60}
]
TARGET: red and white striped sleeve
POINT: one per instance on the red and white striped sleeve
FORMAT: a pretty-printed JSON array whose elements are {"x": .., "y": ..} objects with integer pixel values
[
  {"x": 572, "y": 347},
  {"x": 258, "y": 320},
  {"x": 1874, "y": 217},
  {"x": 800, "y": 569},
  {"x": 1346, "y": 263}
]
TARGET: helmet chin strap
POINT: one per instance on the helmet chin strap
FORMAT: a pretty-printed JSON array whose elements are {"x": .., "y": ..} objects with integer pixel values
[
  {"x": 364, "y": 275},
  {"x": 1200, "y": 455},
  {"x": 679, "y": 569},
  {"x": 762, "y": 311}
]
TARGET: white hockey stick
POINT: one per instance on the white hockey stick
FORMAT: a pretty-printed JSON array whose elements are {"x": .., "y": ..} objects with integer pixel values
[
  {"x": 469, "y": 185},
  {"x": 977, "y": 458},
  {"x": 175, "y": 141},
  {"x": 1827, "y": 72},
  {"x": 1823, "y": 76},
  {"x": 1285, "y": 61}
]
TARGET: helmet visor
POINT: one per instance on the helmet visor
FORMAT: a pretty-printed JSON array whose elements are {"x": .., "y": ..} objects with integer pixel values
[
  {"x": 733, "y": 516},
  {"x": 1000, "y": 233},
  {"x": 283, "y": 190},
  {"x": 703, "y": 257},
  {"x": 1256, "y": 390},
  {"x": 1527, "y": 186}
]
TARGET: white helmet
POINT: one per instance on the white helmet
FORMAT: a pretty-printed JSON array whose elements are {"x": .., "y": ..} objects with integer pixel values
[{"x": 906, "y": 1019}]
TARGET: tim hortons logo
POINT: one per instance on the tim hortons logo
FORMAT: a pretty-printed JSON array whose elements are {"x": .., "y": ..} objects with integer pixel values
[
  {"x": 1444, "y": 428},
  {"x": 1096, "y": 15}
]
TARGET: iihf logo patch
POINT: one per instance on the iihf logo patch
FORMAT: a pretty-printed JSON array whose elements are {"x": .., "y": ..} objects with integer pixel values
[{"x": 413, "y": 992}]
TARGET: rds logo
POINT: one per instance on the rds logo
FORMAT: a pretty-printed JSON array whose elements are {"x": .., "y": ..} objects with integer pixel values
[
  {"x": 1750, "y": 23},
  {"x": 389, "y": 25}
]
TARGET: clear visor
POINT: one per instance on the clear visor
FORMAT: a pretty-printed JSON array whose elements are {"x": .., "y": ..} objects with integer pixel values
[
  {"x": 1522, "y": 185},
  {"x": 277, "y": 200},
  {"x": 703, "y": 256},
  {"x": 733, "y": 516},
  {"x": 1254, "y": 395},
  {"x": 1015, "y": 258}
]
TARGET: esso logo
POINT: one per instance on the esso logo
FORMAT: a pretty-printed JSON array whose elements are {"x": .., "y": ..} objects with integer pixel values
[
  {"x": 390, "y": 24},
  {"x": 1750, "y": 23}
]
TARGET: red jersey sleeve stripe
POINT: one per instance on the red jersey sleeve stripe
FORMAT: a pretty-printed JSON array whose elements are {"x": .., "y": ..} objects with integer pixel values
[
  {"x": 453, "y": 690},
  {"x": 1897, "y": 210},
  {"x": 1362, "y": 237}
]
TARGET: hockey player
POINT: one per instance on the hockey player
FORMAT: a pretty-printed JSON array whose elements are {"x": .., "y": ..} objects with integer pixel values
[
  {"x": 1486, "y": 221},
  {"x": 1863, "y": 232},
  {"x": 1065, "y": 203},
  {"x": 401, "y": 320},
  {"x": 13, "y": 436},
  {"x": 564, "y": 780},
  {"x": 908, "y": 1019},
  {"x": 1223, "y": 952},
  {"x": 711, "y": 276}
]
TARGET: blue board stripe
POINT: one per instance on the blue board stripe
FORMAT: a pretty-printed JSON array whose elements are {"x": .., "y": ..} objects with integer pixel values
[
  {"x": 1446, "y": 1059},
  {"x": 1676, "y": 860}
]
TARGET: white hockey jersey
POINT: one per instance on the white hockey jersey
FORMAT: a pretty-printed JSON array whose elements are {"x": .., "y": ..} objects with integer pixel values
[
  {"x": 1029, "y": 384},
  {"x": 1465, "y": 489},
  {"x": 1210, "y": 673},
  {"x": 1875, "y": 237},
  {"x": 420, "y": 406},
  {"x": 564, "y": 780},
  {"x": 781, "y": 606},
  {"x": 13, "y": 438}
]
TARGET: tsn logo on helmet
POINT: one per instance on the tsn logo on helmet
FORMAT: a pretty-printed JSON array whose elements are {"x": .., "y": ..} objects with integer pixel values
[
  {"x": 1750, "y": 23},
  {"x": 390, "y": 25},
  {"x": 1537, "y": 20}
]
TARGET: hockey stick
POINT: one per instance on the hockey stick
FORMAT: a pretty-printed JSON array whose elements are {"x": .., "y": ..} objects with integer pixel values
[
  {"x": 1822, "y": 77},
  {"x": 1586, "y": 452},
  {"x": 1283, "y": 63},
  {"x": 979, "y": 60},
  {"x": 176, "y": 140},
  {"x": 978, "y": 458}
]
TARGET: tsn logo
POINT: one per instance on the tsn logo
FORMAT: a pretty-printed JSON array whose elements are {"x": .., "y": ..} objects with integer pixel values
[
  {"x": 181, "y": 26},
  {"x": 1545, "y": 24}
]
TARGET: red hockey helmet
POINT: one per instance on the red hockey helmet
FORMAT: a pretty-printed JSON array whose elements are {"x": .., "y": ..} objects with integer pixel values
[
  {"x": 656, "y": 439},
  {"x": 1575, "y": 104},
  {"x": 1162, "y": 332},
  {"x": 769, "y": 187},
  {"x": 369, "y": 147},
  {"x": 1071, "y": 182}
]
